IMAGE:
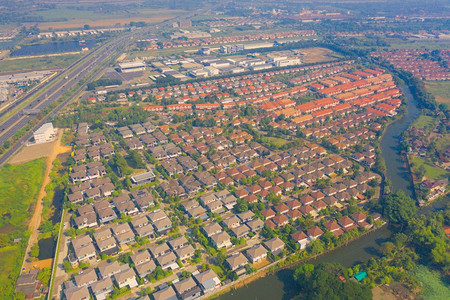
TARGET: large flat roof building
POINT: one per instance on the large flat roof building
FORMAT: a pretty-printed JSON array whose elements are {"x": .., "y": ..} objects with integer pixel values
[
  {"x": 143, "y": 178},
  {"x": 134, "y": 66},
  {"x": 44, "y": 134}
]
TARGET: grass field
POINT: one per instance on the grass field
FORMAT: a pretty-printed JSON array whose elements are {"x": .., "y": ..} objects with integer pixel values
[
  {"x": 433, "y": 287},
  {"x": 39, "y": 63},
  {"x": 10, "y": 258},
  {"x": 440, "y": 90},
  {"x": 277, "y": 142},
  {"x": 443, "y": 143},
  {"x": 426, "y": 123},
  {"x": 432, "y": 172},
  {"x": 19, "y": 188}
]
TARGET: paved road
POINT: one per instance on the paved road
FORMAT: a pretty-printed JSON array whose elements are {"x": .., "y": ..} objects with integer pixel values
[
  {"x": 52, "y": 94},
  {"x": 78, "y": 71}
]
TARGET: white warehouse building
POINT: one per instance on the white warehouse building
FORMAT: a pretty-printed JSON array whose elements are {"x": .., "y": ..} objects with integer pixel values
[
  {"x": 135, "y": 66},
  {"x": 44, "y": 134}
]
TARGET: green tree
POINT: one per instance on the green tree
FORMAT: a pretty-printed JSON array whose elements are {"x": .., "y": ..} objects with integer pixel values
[
  {"x": 398, "y": 208},
  {"x": 34, "y": 251}
]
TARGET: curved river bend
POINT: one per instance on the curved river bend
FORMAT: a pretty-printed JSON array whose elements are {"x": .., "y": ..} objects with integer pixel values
[{"x": 279, "y": 285}]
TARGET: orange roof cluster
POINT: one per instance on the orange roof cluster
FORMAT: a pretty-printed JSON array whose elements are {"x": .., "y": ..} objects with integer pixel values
[
  {"x": 270, "y": 106},
  {"x": 308, "y": 107},
  {"x": 326, "y": 102},
  {"x": 285, "y": 103}
]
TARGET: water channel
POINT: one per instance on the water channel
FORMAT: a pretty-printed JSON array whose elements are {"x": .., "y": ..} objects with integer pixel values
[{"x": 280, "y": 285}]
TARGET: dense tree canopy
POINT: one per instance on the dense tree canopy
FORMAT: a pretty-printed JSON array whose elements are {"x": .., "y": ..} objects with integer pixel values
[
  {"x": 398, "y": 208},
  {"x": 322, "y": 282}
]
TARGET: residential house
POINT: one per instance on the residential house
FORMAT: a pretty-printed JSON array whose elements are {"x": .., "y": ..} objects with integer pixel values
[
  {"x": 240, "y": 231},
  {"x": 178, "y": 243},
  {"x": 187, "y": 289},
  {"x": 123, "y": 233},
  {"x": 314, "y": 232},
  {"x": 221, "y": 240},
  {"x": 185, "y": 253},
  {"x": 84, "y": 248},
  {"x": 232, "y": 222},
  {"x": 208, "y": 280},
  {"x": 255, "y": 225},
  {"x": 102, "y": 288},
  {"x": 167, "y": 261},
  {"x": 146, "y": 268},
  {"x": 140, "y": 257},
  {"x": 256, "y": 253},
  {"x": 126, "y": 278},
  {"x": 159, "y": 250},
  {"x": 301, "y": 238},
  {"x": 211, "y": 229},
  {"x": 275, "y": 245},
  {"x": 166, "y": 294},
  {"x": 77, "y": 293},
  {"x": 236, "y": 261},
  {"x": 86, "y": 278},
  {"x": 109, "y": 269}
]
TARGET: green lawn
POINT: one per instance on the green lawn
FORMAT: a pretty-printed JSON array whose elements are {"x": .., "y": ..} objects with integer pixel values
[
  {"x": 277, "y": 142},
  {"x": 433, "y": 287},
  {"x": 440, "y": 90},
  {"x": 432, "y": 172},
  {"x": 39, "y": 63},
  {"x": 19, "y": 188},
  {"x": 10, "y": 260},
  {"x": 425, "y": 122}
]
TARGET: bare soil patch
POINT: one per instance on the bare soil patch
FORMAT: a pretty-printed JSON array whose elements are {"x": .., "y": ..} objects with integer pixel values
[
  {"x": 40, "y": 264},
  {"x": 32, "y": 152},
  {"x": 317, "y": 54}
]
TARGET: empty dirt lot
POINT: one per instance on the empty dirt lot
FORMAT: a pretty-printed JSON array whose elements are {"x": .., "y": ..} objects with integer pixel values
[
  {"x": 33, "y": 152},
  {"x": 317, "y": 54}
]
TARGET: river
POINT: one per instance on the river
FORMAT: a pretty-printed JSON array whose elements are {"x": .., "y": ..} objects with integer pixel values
[{"x": 279, "y": 285}]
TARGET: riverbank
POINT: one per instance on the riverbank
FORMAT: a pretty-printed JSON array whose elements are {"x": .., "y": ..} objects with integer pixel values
[
  {"x": 278, "y": 284},
  {"x": 272, "y": 269}
]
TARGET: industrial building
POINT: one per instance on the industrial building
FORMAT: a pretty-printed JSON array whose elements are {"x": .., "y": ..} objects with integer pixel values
[
  {"x": 44, "y": 134},
  {"x": 135, "y": 66}
]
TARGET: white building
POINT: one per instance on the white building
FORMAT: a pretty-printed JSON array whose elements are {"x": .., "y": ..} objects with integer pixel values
[
  {"x": 44, "y": 134},
  {"x": 134, "y": 66}
]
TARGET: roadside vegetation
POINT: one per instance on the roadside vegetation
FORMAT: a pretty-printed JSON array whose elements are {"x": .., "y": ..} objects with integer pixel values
[
  {"x": 39, "y": 63},
  {"x": 19, "y": 189}
]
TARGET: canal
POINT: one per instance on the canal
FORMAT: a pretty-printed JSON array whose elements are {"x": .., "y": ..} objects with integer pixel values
[{"x": 279, "y": 285}]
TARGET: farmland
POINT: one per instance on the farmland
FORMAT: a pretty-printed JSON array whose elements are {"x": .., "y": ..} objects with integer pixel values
[
  {"x": 65, "y": 17},
  {"x": 440, "y": 90}
]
